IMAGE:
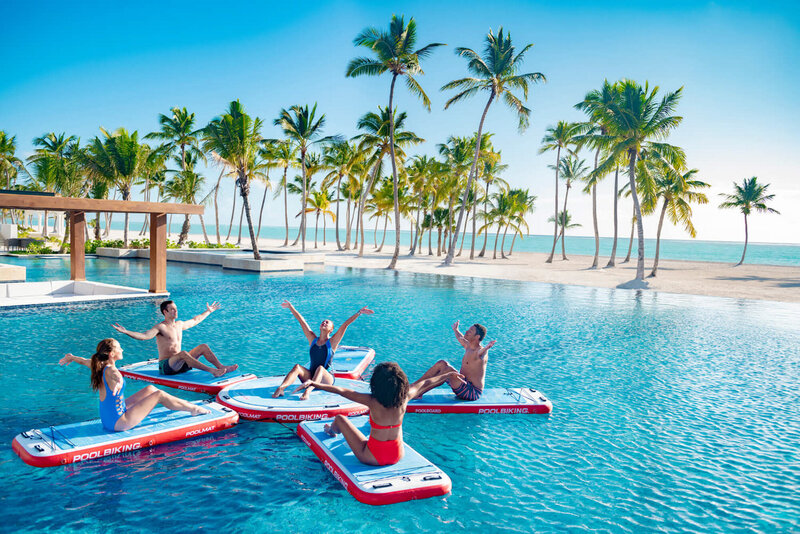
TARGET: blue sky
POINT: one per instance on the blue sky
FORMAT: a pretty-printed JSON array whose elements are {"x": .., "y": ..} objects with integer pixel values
[{"x": 75, "y": 67}]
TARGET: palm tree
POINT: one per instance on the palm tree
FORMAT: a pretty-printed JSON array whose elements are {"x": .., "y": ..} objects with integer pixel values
[
  {"x": 572, "y": 170},
  {"x": 524, "y": 203},
  {"x": 564, "y": 222},
  {"x": 494, "y": 72},
  {"x": 748, "y": 197},
  {"x": 500, "y": 214},
  {"x": 10, "y": 165},
  {"x": 284, "y": 155},
  {"x": 300, "y": 124},
  {"x": 179, "y": 133},
  {"x": 120, "y": 159},
  {"x": 236, "y": 138},
  {"x": 185, "y": 186},
  {"x": 319, "y": 203},
  {"x": 637, "y": 122},
  {"x": 380, "y": 129},
  {"x": 678, "y": 192},
  {"x": 558, "y": 137},
  {"x": 339, "y": 157},
  {"x": 394, "y": 51},
  {"x": 491, "y": 168},
  {"x": 597, "y": 104},
  {"x": 54, "y": 164},
  {"x": 267, "y": 155}
]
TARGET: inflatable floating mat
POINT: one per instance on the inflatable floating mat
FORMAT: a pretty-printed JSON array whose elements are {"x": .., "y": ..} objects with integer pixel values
[
  {"x": 253, "y": 400},
  {"x": 351, "y": 362},
  {"x": 192, "y": 380},
  {"x": 493, "y": 401},
  {"x": 347, "y": 362},
  {"x": 413, "y": 477},
  {"x": 78, "y": 442}
]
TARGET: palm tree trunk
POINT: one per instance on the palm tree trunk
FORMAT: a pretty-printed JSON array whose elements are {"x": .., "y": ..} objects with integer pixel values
[
  {"x": 485, "y": 217},
  {"x": 216, "y": 206},
  {"x": 503, "y": 243},
  {"x": 261, "y": 212},
  {"x": 472, "y": 173},
  {"x": 555, "y": 229},
  {"x": 316, "y": 229},
  {"x": 325, "y": 230},
  {"x": 439, "y": 242},
  {"x": 611, "y": 260},
  {"x": 125, "y": 232},
  {"x": 463, "y": 237},
  {"x": 395, "y": 195},
  {"x": 241, "y": 216},
  {"x": 416, "y": 227},
  {"x": 233, "y": 211},
  {"x": 184, "y": 231},
  {"x": 305, "y": 199},
  {"x": 375, "y": 233},
  {"x": 347, "y": 224},
  {"x": 594, "y": 216},
  {"x": 44, "y": 226},
  {"x": 658, "y": 238},
  {"x": 430, "y": 237},
  {"x": 474, "y": 217},
  {"x": 285, "y": 206},
  {"x": 146, "y": 199},
  {"x": 630, "y": 242},
  {"x": 63, "y": 246},
  {"x": 97, "y": 226},
  {"x": 169, "y": 225},
  {"x": 745, "y": 242},
  {"x": 361, "y": 203},
  {"x": 205, "y": 234},
  {"x": 564, "y": 222},
  {"x": 638, "y": 211},
  {"x": 246, "y": 207},
  {"x": 338, "y": 187},
  {"x": 385, "y": 224},
  {"x": 513, "y": 240},
  {"x": 448, "y": 232},
  {"x": 496, "y": 239}
]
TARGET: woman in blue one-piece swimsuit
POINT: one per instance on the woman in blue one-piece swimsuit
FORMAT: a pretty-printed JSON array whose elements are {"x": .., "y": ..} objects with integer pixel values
[
  {"x": 320, "y": 351},
  {"x": 116, "y": 412}
]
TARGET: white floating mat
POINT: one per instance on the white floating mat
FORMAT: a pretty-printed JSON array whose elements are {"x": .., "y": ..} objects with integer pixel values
[
  {"x": 351, "y": 362},
  {"x": 413, "y": 477},
  {"x": 493, "y": 401},
  {"x": 253, "y": 400},
  {"x": 77, "y": 442},
  {"x": 192, "y": 380}
]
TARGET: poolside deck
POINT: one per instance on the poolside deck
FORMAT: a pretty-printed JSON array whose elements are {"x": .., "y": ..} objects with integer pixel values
[
  {"x": 12, "y": 273},
  {"x": 63, "y": 292}
]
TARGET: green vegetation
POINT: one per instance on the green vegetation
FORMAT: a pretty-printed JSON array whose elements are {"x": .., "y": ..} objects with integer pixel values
[{"x": 748, "y": 197}]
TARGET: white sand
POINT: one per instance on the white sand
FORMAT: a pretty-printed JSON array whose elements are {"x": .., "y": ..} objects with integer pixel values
[{"x": 761, "y": 282}]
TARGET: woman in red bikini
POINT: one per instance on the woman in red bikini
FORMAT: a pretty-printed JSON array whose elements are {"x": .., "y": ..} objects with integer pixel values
[{"x": 390, "y": 392}]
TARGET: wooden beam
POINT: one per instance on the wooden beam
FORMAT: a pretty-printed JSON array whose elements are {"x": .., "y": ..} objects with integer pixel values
[
  {"x": 77, "y": 250},
  {"x": 35, "y": 202},
  {"x": 158, "y": 252}
]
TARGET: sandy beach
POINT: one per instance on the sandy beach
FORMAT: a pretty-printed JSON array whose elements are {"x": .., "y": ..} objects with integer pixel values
[{"x": 759, "y": 282}]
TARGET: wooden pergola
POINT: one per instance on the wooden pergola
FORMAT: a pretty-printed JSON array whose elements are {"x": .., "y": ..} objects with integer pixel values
[{"x": 77, "y": 209}]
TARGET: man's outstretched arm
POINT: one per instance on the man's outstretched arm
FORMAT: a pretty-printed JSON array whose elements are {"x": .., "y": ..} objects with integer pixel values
[
  {"x": 484, "y": 350},
  {"x": 197, "y": 319},
  {"x": 141, "y": 336},
  {"x": 459, "y": 335}
]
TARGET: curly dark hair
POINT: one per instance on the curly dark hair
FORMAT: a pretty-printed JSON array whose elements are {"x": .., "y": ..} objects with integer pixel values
[{"x": 389, "y": 384}]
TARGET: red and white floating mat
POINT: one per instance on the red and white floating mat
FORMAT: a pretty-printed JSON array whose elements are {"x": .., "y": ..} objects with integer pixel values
[
  {"x": 78, "y": 442},
  {"x": 413, "y": 477},
  {"x": 492, "y": 401},
  {"x": 351, "y": 362},
  {"x": 192, "y": 380},
  {"x": 253, "y": 400}
]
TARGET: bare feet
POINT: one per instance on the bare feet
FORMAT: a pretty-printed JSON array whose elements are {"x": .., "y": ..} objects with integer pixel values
[
  {"x": 199, "y": 410},
  {"x": 305, "y": 394},
  {"x": 278, "y": 393},
  {"x": 230, "y": 368},
  {"x": 331, "y": 430},
  {"x": 219, "y": 372}
]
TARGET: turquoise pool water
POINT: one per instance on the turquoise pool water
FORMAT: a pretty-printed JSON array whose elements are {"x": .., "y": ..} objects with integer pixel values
[{"x": 671, "y": 412}]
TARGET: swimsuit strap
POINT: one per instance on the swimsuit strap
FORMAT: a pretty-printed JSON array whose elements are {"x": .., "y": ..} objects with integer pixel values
[{"x": 375, "y": 425}]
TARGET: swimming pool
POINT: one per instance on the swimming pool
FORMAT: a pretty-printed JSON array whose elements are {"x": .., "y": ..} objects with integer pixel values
[{"x": 671, "y": 412}]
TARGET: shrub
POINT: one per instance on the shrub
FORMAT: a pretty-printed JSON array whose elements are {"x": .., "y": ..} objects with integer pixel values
[
  {"x": 37, "y": 247},
  {"x": 195, "y": 244}
]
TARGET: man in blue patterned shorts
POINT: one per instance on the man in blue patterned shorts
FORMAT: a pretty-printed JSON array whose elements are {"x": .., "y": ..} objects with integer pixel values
[{"x": 468, "y": 383}]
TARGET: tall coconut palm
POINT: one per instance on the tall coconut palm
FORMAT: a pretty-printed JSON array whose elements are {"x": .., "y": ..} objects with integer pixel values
[
  {"x": 560, "y": 137},
  {"x": 178, "y": 132},
  {"x": 319, "y": 203},
  {"x": 394, "y": 53},
  {"x": 572, "y": 170},
  {"x": 524, "y": 203},
  {"x": 10, "y": 165},
  {"x": 638, "y": 121},
  {"x": 748, "y": 197},
  {"x": 677, "y": 191},
  {"x": 268, "y": 153},
  {"x": 120, "y": 159},
  {"x": 301, "y": 125},
  {"x": 339, "y": 157},
  {"x": 235, "y": 137},
  {"x": 284, "y": 156},
  {"x": 491, "y": 168},
  {"x": 52, "y": 152},
  {"x": 564, "y": 222},
  {"x": 380, "y": 129},
  {"x": 421, "y": 171},
  {"x": 495, "y": 72},
  {"x": 185, "y": 186},
  {"x": 597, "y": 104},
  {"x": 500, "y": 213}
]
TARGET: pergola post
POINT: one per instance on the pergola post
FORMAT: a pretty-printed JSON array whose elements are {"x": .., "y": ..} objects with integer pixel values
[
  {"x": 77, "y": 243},
  {"x": 158, "y": 252}
]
